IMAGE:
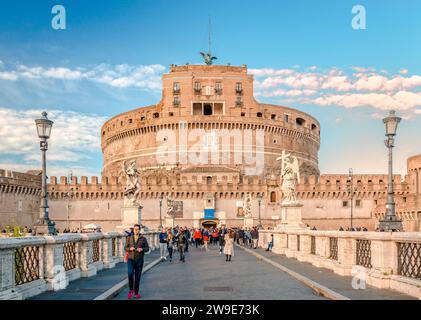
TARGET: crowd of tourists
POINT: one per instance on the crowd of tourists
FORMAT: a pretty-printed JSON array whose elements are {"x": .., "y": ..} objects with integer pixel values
[
  {"x": 353, "y": 229},
  {"x": 179, "y": 240}
]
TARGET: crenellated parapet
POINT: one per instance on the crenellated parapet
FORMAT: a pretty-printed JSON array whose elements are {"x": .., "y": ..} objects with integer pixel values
[
  {"x": 232, "y": 185},
  {"x": 12, "y": 182},
  {"x": 85, "y": 189},
  {"x": 365, "y": 186}
]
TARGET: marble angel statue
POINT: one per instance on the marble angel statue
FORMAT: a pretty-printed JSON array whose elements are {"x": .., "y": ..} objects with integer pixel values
[
  {"x": 290, "y": 177},
  {"x": 132, "y": 183},
  {"x": 247, "y": 205}
]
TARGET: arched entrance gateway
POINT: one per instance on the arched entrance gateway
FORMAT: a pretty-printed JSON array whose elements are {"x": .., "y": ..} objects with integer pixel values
[{"x": 209, "y": 223}]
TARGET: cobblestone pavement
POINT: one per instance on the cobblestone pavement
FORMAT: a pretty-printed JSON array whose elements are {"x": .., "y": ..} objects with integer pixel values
[{"x": 205, "y": 276}]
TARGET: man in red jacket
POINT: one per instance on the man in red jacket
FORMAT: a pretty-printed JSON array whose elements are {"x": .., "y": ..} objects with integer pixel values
[{"x": 197, "y": 237}]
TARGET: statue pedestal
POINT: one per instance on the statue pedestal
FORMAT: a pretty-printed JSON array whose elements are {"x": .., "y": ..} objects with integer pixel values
[
  {"x": 129, "y": 217},
  {"x": 248, "y": 222},
  {"x": 291, "y": 217},
  {"x": 169, "y": 222}
]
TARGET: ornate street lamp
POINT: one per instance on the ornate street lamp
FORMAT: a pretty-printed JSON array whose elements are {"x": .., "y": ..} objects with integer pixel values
[
  {"x": 390, "y": 221},
  {"x": 351, "y": 190},
  {"x": 259, "y": 200},
  {"x": 160, "y": 211},
  {"x": 45, "y": 226}
]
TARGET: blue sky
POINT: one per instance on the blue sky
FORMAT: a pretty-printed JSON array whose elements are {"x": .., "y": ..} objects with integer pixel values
[{"x": 304, "y": 54}]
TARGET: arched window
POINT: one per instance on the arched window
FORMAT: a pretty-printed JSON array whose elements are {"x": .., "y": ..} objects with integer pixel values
[
  {"x": 208, "y": 180},
  {"x": 273, "y": 196},
  {"x": 300, "y": 121}
]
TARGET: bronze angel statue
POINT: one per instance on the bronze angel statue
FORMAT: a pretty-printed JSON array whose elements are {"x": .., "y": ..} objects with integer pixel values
[{"x": 208, "y": 58}]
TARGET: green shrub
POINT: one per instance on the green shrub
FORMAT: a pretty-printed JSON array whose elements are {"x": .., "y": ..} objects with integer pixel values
[{"x": 16, "y": 231}]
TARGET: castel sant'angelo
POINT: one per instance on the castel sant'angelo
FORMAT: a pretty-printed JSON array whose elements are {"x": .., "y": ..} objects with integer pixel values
[{"x": 207, "y": 148}]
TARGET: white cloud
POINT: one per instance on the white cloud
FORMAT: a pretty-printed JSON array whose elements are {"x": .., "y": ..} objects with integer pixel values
[
  {"x": 270, "y": 72},
  {"x": 120, "y": 76},
  {"x": 6, "y": 75},
  {"x": 402, "y": 100},
  {"x": 339, "y": 83},
  {"x": 74, "y": 136},
  {"x": 356, "y": 87}
]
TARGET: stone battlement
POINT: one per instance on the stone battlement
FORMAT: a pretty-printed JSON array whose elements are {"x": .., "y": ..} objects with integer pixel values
[
  {"x": 227, "y": 186},
  {"x": 208, "y": 69},
  {"x": 11, "y": 181}
]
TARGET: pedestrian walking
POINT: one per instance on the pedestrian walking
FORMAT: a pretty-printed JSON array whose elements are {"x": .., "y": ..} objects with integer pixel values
[
  {"x": 229, "y": 245},
  {"x": 181, "y": 241},
  {"x": 255, "y": 237},
  {"x": 170, "y": 244},
  {"x": 136, "y": 246},
  {"x": 187, "y": 234},
  {"x": 205, "y": 239},
  {"x": 163, "y": 243},
  {"x": 197, "y": 237},
  {"x": 221, "y": 234},
  {"x": 215, "y": 236}
]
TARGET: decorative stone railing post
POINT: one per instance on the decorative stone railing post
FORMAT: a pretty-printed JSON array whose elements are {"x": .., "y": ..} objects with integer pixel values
[
  {"x": 322, "y": 251},
  {"x": 303, "y": 247},
  {"x": 346, "y": 255},
  {"x": 263, "y": 242},
  {"x": 121, "y": 251},
  {"x": 107, "y": 249},
  {"x": 55, "y": 261},
  {"x": 384, "y": 262},
  {"x": 291, "y": 245},
  {"x": 7, "y": 275},
  {"x": 86, "y": 260},
  {"x": 279, "y": 241}
]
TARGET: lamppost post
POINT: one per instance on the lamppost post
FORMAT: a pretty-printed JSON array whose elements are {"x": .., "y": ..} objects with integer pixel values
[
  {"x": 160, "y": 212},
  {"x": 45, "y": 225},
  {"x": 69, "y": 180},
  {"x": 390, "y": 221},
  {"x": 259, "y": 200},
  {"x": 351, "y": 191}
]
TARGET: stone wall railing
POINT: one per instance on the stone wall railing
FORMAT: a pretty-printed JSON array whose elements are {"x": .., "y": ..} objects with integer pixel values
[
  {"x": 32, "y": 265},
  {"x": 383, "y": 260}
]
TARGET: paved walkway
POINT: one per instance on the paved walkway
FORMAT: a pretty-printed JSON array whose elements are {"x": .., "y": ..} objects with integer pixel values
[
  {"x": 206, "y": 276},
  {"x": 335, "y": 282},
  {"x": 90, "y": 288}
]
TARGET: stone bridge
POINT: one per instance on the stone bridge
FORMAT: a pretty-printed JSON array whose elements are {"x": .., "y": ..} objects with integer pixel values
[{"x": 302, "y": 265}]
